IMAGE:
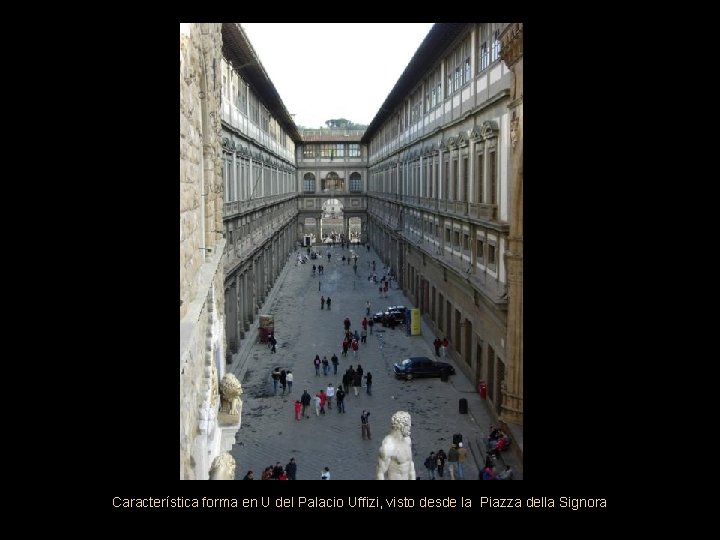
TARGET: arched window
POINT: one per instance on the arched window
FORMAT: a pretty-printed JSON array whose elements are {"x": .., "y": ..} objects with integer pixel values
[
  {"x": 333, "y": 182},
  {"x": 355, "y": 182},
  {"x": 309, "y": 183}
]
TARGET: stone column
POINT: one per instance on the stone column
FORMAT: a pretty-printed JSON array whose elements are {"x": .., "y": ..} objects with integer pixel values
[{"x": 240, "y": 321}]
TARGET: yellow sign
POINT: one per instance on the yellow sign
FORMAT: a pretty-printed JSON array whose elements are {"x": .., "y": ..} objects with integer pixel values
[{"x": 415, "y": 322}]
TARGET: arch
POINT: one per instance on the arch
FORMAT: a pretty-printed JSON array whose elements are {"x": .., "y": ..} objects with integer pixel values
[
  {"x": 332, "y": 182},
  {"x": 331, "y": 222}
]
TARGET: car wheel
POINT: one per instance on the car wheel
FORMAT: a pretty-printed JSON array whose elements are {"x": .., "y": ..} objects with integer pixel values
[{"x": 408, "y": 377}]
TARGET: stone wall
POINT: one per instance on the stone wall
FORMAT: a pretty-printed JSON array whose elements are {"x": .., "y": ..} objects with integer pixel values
[{"x": 202, "y": 309}]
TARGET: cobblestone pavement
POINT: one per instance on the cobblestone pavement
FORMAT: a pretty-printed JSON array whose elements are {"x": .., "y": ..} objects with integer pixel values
[{"x": 269, "y": 431}]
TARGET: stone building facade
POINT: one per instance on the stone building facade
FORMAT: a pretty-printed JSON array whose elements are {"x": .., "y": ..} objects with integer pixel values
[
  {"x": 434, "y": 183},
  {"x": 202, "y": 306},
  {"x": 332, "y": 174},
  {"x": 260, "y": 184},
  {"x": 445, "y": 198}
]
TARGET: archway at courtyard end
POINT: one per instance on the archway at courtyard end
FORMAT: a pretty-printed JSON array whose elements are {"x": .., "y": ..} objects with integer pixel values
[{"x": 331, "y": 222}]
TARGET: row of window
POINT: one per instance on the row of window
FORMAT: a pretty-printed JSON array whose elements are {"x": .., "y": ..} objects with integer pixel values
[
  {"x": 331, "y": 150},
  {"x": 236, "y": 91},
  {"x": 412, "y": 179},
  {"x": 247, "y": 178},
  {"x": 458, "y": 72},
  {"x": 440, "y": 310},
  {"x": 332, "y": 182}
]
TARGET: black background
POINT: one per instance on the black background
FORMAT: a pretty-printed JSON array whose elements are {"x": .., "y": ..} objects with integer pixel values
[{"x": 574, "y": 397}]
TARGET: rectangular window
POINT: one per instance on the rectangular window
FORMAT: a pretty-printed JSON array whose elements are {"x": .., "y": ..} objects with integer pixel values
[
  {"x": 254, "y": 112},
  {"x": 480, "y": 251},
  {"x": 441, "y": 304},
  {"x": 309, "y": 185},
  {"x": 493, "y": 178},
  {"x": 264, "y": 119},
  {"x": 465, "y": 177},
  {"x": 356, "y": 184},
  {"x": 309, "y": 151},
  {"x": 479, "y": 178},
  {"x": 243, "y": 97},
  {"x": 458, "y": 322},
  {"x": 491, "y": 255},
  {"x": 354, "y": 150},
  {"x": 447, "y": 236},
  {"x": 455, "y": 181},
  {"x": 466, "y": 62},
  {"x": 466, "y": 242},
  {"x": 456, "y": 238},
  {"x": 495, "y": 52},
  {"x": 445, "y": 180},
  {"x": 484, "y": 58}
]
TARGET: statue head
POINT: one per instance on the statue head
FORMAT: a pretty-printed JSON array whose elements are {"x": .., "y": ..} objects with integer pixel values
[
  {"x": 400, "y": 421},
  {"x": 223, "y": 467}
]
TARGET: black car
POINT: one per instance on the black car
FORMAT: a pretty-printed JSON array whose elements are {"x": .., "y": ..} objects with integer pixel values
[
  {"x": 392, "y": 316},
  {"x": 421, "y": 366}
]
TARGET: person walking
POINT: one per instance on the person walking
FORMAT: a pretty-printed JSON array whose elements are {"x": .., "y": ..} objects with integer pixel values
[
  {"x": 272, "y": 341},
  {"x": 441, "y": 457},
  {"x": 368, "y": 383},
  {"x": 305, "y": 400},
  {"x": 452, "y": 460},
  {"x": 289, "y": 378},
  {"x": 462, "y": 457},
  {"x": 318, "y": 401},
  {"x": 335, "y": 362},
  {"x": 371, "y": 323},
  {"x": 340, "y": 398},
  {"x": 437, "y": 344},
  {"x": 316, "y": 363},
  {"x": 363, "y": 336},
  {"x": 298, "y": 409},
  {"x": 365, "y": 424},
  {"x": 283, "y": 381},
  {"x": 322, "y": 302},
  {"x": 357, "y": 382},
  {"x": 275, "y": 378},
  {"x": 431, "y": 465},
  {"x": 325, "y": 365},
  {"x": 444, "y": 347},
  {"x": 323, "y": 400},
  {"x": 328, "y": 302},
  {"x": 291, "y": 469},
  {"x": 330, "y": 393}
]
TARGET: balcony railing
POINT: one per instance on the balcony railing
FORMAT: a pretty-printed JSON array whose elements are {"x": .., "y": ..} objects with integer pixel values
[{"x": 236, "y": 207}]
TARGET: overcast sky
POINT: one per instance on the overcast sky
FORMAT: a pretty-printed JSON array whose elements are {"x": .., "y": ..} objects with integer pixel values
[{"x": 334, "y": 70}]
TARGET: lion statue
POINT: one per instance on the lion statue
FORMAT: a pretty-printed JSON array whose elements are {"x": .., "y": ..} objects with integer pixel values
[
  {"x": 231, "y": 390},
  {"x": 223, "y": 467}
]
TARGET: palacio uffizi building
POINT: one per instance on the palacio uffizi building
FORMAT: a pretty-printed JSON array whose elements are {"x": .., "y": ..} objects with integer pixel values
[{"x": 434, "y": 184}]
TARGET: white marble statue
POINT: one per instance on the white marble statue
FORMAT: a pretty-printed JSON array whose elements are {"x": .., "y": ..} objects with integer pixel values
[
  {"x": 231, "y": 390},
  {"x": 395, "y": 461},
  {"x": 223, "y": 467}
]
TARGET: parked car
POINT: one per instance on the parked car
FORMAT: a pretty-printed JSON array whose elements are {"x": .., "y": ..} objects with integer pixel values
[{"x": 421, "y": 366}]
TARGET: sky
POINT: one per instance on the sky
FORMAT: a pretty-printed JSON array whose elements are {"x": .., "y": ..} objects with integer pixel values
[{"x": 334, "y": 70}]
